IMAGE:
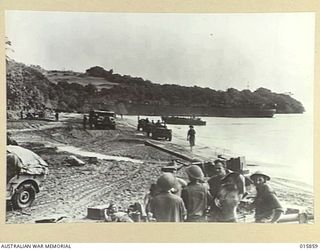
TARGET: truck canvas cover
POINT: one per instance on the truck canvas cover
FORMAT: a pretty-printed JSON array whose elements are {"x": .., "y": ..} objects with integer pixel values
[{"x": 30, "y": 163}]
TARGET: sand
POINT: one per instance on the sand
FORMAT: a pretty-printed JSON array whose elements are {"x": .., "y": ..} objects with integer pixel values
[{"x": 123, "y": 176}]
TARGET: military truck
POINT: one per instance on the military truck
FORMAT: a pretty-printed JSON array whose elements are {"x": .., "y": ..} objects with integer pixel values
[
  {"x": 102, "y": 119},
  {"x": 26, "y": 172},
  {"x": 154, "y": 130},
  {"x": 160, "y": 131},
  {"x": 142, "y": 124}
]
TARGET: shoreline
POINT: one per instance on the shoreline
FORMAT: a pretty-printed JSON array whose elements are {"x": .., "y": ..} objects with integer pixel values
[
  {"x": 126, "y": 141},
  {"x": 210, "y": 153},
  {"x": 285, "y": 187}
]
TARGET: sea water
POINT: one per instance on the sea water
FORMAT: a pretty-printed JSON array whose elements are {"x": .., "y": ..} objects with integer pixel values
[{"x": 281, "y": 146}]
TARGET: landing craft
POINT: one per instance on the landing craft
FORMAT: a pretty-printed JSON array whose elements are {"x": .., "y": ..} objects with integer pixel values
[
  {"x": 181, "y": 120},
  {"x": 243, "y": 112}
]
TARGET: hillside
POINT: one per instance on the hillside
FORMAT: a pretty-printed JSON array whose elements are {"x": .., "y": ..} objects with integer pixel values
[
  {"x": 56, "y": 76},
  {"x": 27, "y": 86},
  {"x": 34, "y": 87}
]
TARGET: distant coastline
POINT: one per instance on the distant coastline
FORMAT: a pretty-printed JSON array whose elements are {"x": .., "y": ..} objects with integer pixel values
[
  {"x": 167, "y": 110},
  {"x": 32, "y": 87}
]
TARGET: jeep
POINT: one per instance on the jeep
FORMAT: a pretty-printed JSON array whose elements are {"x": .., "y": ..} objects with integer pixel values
[
  {"x": 26, "y": 172},
  {"x": 161, "y": 131},
  {"x": 102, "y": 119}
]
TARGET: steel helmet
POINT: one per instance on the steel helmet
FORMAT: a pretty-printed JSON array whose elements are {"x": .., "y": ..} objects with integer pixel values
[
  {"x": 166, "y": 181},
  {"x": 195, "y": 172},
  {"x": 260, "y": 173}
]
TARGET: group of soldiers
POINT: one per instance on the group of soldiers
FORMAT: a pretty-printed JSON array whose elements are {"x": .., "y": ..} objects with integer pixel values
[
  {"x": 147, "y": 126},
  {"x": 145, "y": 123},
  {"x": 202, "y": 199},
  {"x": 89, "y": 119},
  {"x": 38, "y": 114},
  {"x": 216, "y": 199}
]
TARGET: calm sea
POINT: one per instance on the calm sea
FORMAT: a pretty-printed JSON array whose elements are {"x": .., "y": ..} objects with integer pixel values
[{"x": 281, "y": 146}]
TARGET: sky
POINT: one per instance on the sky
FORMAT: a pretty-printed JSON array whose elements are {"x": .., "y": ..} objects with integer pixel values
[{"x": 219, "y": 51}]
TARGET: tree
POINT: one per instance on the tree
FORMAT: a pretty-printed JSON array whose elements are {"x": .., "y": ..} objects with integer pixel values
[
  {"x": 8, "y": 47},
  {"x": 90, "y": 89}
]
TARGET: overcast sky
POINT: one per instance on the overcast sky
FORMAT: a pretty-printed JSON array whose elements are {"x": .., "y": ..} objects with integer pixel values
[{"x": 275, "y": 51}]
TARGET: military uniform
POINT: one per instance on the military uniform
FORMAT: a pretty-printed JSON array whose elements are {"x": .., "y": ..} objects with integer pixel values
[
  {"x": 196, "y": 198},
  {"x": 167, "y": 207},
  {"x": 266, "y": 202},
  {"x": 192, "y": 136}
]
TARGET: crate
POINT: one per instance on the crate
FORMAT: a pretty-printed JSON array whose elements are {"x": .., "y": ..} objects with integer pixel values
[
  {"x": 97, "y": 212},
  {"x": 237, "y": 164}
]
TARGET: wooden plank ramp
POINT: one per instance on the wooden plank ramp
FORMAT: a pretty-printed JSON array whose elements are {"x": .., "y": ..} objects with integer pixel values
[{"x": 176, "y": 150}]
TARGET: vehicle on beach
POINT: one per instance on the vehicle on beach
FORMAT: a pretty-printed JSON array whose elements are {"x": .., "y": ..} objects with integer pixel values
[
  {"x": 42, "y": 114},
  {"x": 155, "y": 130},
  {"x": 102, "y": 119},
  {"x": 181, "y": 120},
  {"x": 142, "y": 124},
  {"x": 145, "y": 125},
  {"x": 26, "y": 172},
  {"x": 161, "y": 131}
]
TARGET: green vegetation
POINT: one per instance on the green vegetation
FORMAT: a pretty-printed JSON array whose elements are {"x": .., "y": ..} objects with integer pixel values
[
  {"x": 30, "y": 86},
  {"x": 141, "y": 91}
]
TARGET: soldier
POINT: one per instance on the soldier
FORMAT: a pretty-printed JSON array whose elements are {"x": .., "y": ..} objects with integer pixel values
[
  {"x": 196, "y": 195},
  {"x": 167, "y": 207},
  {"x": 112, "y": 214},
  {"x": 85, "y": 122},
  {"x": 57, "y": 116},
  {"x": 268, "y": 207},
  {"x": 221, "y": 175},
  {"x": 153, "y": 191},
  {"x": 191, "y": 137},
  {"x": 91, "y": 117},
  {"x": 172, "y": 167},
  {"x": 227, "y": 189}
]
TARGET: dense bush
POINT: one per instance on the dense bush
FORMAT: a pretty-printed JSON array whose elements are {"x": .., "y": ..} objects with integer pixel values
[{"x": 29, "y": 86}]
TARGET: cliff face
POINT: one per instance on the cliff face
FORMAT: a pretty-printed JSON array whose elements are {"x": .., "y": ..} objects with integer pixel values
[{"x": 34, "y": 87}]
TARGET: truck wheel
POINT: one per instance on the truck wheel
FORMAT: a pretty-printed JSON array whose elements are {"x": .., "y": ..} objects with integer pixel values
[
  {"x": 170, "y": 138},
  {"x": 24, "y": 196}
]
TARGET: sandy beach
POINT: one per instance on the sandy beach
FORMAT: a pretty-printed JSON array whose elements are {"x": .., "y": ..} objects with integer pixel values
[{"x": 119, "y": 168}]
